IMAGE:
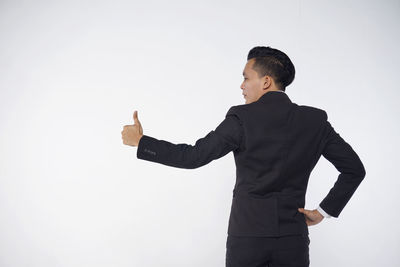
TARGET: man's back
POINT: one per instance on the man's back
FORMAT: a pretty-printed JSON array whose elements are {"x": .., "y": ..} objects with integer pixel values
[{"x": 280, "y": 145}]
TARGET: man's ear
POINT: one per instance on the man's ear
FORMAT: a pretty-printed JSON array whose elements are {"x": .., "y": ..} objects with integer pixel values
[{"x": 267, "y": 82}]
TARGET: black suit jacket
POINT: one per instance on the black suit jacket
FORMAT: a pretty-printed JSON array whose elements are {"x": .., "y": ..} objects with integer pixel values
[{"x": 276, "y": 144}]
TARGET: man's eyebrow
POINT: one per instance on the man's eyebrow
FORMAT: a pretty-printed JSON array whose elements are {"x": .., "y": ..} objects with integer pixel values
[{"x": 243, "y": 73}]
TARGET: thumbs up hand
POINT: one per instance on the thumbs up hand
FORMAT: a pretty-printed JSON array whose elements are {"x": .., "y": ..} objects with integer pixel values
[{"x": 131, "y": 134}]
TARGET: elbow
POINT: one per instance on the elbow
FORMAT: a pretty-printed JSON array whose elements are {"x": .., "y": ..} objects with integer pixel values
[
  {"x": 361, "y": 173},
  {"x": 362, "y": 170},
  {"x": 196, "y": 166},
  {"x": 359, "y": 170},
  {"x": 191, "y": 165},
  {"x": 193, "y": 161}
]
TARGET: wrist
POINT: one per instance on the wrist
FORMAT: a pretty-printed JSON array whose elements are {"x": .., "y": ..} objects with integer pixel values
[
  {"x": 140, "y": 137},
  {"x": 322, "y": 212}
]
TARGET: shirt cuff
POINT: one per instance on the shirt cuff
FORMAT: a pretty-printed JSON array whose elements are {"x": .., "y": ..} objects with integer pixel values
[{"x": 326, "y": 215}]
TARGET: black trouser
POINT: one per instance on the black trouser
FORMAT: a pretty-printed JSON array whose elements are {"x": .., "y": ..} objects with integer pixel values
[{"x": 267, "y": 251}]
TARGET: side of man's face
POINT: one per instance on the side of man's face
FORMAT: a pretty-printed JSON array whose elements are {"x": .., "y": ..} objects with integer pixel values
[{"x": 252, "y": 85}]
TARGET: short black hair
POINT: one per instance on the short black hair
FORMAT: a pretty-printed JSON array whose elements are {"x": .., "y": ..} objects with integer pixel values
[{"x": 273, "y": 62}]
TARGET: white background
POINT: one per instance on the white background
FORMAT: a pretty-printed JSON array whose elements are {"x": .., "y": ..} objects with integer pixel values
[{"x": 73, "y": 72}]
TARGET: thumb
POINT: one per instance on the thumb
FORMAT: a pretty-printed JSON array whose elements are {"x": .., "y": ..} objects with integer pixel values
[
  {"x": 302, "y": 210},
  {"x": 135, "y": 117}
]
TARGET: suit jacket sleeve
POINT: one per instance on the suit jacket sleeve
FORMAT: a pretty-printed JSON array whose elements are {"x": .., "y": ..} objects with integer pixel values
[
  {"x": 346, "y": 161},
  {"x": 217, "y": 143}
]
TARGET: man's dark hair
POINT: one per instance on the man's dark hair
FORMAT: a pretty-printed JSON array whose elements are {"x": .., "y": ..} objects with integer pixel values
[{"x": 273, "y": 62}]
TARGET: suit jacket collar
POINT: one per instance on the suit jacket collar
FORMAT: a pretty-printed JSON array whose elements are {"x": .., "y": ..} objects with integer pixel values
[{"x": 274, "y": 97}]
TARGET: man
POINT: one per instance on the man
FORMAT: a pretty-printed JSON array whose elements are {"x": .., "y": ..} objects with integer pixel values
[{"x": 276, "y": 144}]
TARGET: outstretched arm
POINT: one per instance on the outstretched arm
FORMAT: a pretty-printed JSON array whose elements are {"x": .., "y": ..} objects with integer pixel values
[{"x": 217, "y": 143}]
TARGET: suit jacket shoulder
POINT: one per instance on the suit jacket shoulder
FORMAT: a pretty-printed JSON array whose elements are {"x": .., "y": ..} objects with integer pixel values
[{"x": 314, "y": 110}]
